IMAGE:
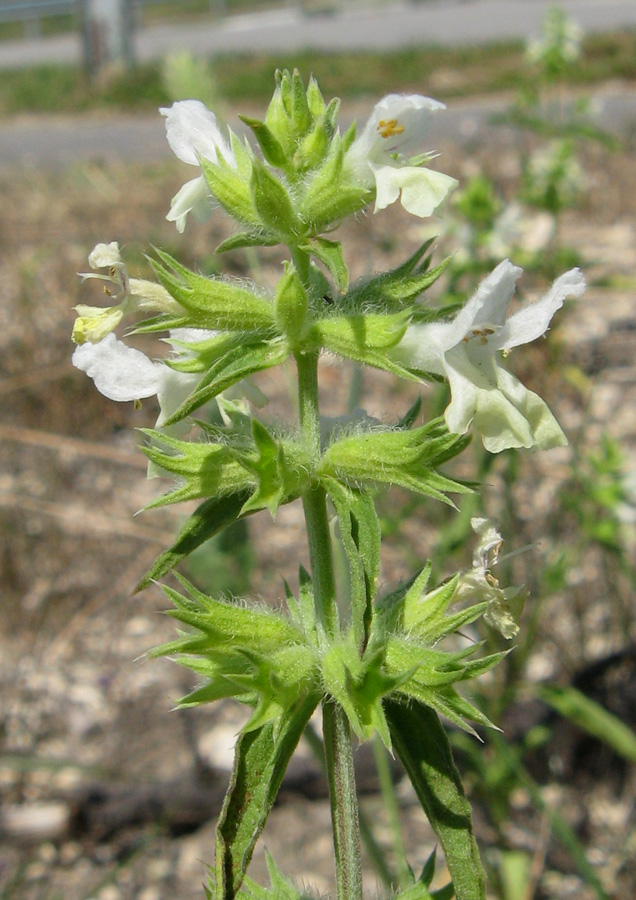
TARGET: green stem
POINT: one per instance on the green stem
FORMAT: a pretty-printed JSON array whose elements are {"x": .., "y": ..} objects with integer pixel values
[
  {"x": 315, "y": 500},
  {"x": 389, "y": 799},
  {"x": 338, "y": 749},
  {"x": 344, "y": 802},
  {"x": 375, "y": 853}
]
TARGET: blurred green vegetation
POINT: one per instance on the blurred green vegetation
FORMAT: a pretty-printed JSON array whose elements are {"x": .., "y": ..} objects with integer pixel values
[{"x": 441, "y": 72}]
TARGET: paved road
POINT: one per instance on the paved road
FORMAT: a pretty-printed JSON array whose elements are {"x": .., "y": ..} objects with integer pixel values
[
  {"x": 58, "y": 142},
  {"x": 397, "y": 24},
  {"x": 62, "y": 141}
]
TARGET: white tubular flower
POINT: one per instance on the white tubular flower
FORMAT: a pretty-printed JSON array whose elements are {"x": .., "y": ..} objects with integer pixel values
[
  {"x": 383, "y": 156},
  {"x": 505, "y": 605},
  {"x": 193, "y": 133},
  {"x": 120, "y": 372},
  {"x": 133, "y": 295},
  {"x": 466, "y": 351},
  {"x": 123, "y": 373}
]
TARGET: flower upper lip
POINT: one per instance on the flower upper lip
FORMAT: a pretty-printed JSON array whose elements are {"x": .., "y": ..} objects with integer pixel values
[
  {"x": 193, "y": 133},
  {"x": 380, "y": 156}
]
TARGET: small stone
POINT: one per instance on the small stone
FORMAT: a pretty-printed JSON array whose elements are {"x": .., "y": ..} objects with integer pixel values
[
  {"x": 158, "y": 869},
  {"x": 70, "y": 853},
  {"x": 35, "y": 871},
  {"x": 149, "y": 893},
  {"x": 47, "y": 852}
]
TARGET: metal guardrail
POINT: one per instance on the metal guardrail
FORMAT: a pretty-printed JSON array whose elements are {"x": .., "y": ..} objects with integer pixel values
[
  {"x": 15, "y": 11},
  {"x": 23, "y": 10}
]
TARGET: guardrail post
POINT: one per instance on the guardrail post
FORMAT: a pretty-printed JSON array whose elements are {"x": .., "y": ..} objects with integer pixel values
[{"x": 107, "y": 32}]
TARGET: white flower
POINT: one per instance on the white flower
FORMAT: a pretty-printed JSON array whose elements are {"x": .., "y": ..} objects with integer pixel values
[
  {"x": 123, "y": 373},
  {"x": 466, "y": 351},
  {"x": 193, "y": 133},
  {"x": 478, "y": 584},
  {"x": 133, "y": 295},
  {"x": 383, "y": 156}
]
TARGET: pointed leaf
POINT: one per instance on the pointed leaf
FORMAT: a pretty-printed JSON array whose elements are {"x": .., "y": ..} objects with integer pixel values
[
  {"x": 272, "y": 150},
  {"x": 231, "y": 186},
  {"x": 241, "y": 359},
  {"x": 247, "y": 239},
  {"x": 360, "y": 531},
  {"x": 364, "y": 338},
  {"x": 261, "y": 758},
  {"x": 423, "y": 747},
  {"x": 208, "y": 519},
  {"x": 330, "y": 254},
  {"x": 216, "y": 302}
]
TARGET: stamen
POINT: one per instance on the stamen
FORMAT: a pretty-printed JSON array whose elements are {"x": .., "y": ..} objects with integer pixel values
[
  {"x": 482, "y": 333},
  {"x": 389, "y": 128}
]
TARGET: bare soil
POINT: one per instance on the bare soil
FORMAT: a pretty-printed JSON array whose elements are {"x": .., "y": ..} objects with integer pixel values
[{"x": 81, "y": 706}]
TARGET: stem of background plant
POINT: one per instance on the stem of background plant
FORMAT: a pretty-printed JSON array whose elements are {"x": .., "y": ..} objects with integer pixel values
[
  {"x": 389, "y": 799},
  {"x": 337, "y": 734}
]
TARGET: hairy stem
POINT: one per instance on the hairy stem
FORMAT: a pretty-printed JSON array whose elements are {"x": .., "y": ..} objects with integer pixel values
[
  {"x": 338, "y": 749},
  {"x": 344, "y": 802}
]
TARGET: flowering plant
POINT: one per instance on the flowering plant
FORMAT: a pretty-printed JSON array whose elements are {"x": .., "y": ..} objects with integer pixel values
[{"x": 377, "y": 662}]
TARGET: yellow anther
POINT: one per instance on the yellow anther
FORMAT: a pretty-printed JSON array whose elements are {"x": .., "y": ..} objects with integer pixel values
[{"x": 389, "y": 128}]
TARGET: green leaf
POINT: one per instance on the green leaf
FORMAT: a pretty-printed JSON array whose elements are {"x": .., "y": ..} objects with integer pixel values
[
  {"x": 272, "y": 150},
  {"x": 204, "y": 469},
  {"x": 330, "y": 195},
  {"x": 364, "y": 338},
  {"x": 279, "y": 475},
  {"x": 330, "y": 254},
  {"x": 273, "y": 203},
  {"x": 290, "y": 304},
  {"x": 360, "y": 531},
  {"x": 424, "y": 750},
  {"x": 229, "y": 625},
  {"x": 231, "y": 186},
  {"x": 591, "y": 717},
  {"x": 243, "y": 355},
  {"x": 208, "y": 519},
  {"x": 303, "y": 610},
  {"x": 281, "y": 888},
  {"x": 213, "y": 302},
  {"x": 395, "y": 290},
  {"x": 359, "y": 685},
  {"x": 247, "y": 239},
  {"x": 261, "y": 757},
  {"x": 397, "y": 457}
]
